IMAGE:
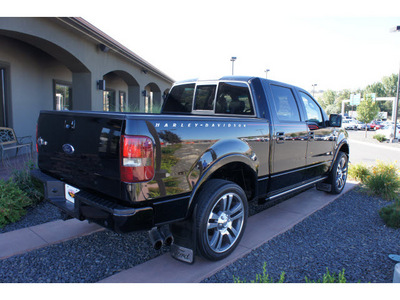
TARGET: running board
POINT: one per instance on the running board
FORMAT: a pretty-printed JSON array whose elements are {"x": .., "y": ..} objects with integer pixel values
[{"x": 318, "y": 181}]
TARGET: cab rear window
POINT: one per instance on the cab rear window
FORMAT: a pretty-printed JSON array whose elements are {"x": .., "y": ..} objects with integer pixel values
[
  {"x": 180, "y": 99},
  {"x": 234, "y": 98},
  {"x": 224, "y": 98}
]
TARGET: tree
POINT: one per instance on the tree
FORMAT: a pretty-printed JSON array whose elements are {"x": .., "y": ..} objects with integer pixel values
[
  {"x": 332, "y": 109},
  {"x": 378, "y": 88},
  {"x": 390, "y": 84},
  {"x": 344, "y": 94},
  {"x": 328, "y": 98},
  {"x": 367, "y": 111}
]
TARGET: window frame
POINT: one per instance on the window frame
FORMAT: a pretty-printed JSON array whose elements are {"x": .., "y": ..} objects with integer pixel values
[
  {"x": 65, "y": 83},
  {"x": 274, "y": 108},
  {"x": 107, "y": 90},
  {"x": 250, "y": 94},
  {"x": 186, "y": 83},
  {"x": 123, "y": 105},
  {"x": 212, "y": 112},
  {"x": 321, "y": 111},
  {"x": 204, "y": 111}
]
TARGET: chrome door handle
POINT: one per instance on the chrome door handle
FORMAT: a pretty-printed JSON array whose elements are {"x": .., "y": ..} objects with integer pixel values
[
  {"x": 311, "y": 135},
  {"x": 280, "y": 137}
]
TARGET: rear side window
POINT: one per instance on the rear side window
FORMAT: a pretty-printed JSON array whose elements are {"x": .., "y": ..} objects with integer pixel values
[
  {"x": 285, "y": 104},
  {"x": 180, "y": 99},
  {"x": 234, "y": 98}
]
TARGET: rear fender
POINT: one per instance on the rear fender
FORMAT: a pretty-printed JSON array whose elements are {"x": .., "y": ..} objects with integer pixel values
[{"x": 215, "y": 158}]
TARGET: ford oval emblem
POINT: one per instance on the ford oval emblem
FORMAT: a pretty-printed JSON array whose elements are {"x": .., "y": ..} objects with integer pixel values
[{"x": 68, "y": 149}]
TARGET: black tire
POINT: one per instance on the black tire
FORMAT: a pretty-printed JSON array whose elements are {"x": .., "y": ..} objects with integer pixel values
[
  {"x": 221, "y": 218},
  {"x": 338, "y": 175}
]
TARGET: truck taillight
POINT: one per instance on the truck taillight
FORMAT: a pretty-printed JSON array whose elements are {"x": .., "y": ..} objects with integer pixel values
[{"x": 137, "y": 162}]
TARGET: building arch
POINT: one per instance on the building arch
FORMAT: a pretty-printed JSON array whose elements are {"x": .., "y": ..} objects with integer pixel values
[
  {"x": 46, "y": 60},
  {"x": 59, "y": 53},
  {"x": 152, "y": 98},
  {"x": 80, "y": 76},
  {"x": 122, "y": 92}
]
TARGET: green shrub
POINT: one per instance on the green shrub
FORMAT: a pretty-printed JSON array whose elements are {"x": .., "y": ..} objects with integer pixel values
[
  {"x": 380, "y": 137},
  {"x": 358, "y": 172},
  {"x": 265, "y": 278},
  {"x": 13, "y": 202},
  {"x": 384, "y": 180},
  {"x": 391, "y": 215},
  {"x": 32, "y": 187},
  {"x": 329, "y": 278},
  {"x": 262, "y": 278}
]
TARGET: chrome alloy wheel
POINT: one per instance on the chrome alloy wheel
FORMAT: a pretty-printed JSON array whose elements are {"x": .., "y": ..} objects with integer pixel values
[
  {"x": 225, "y": 222},
  {"x": 341, "y": 173}
]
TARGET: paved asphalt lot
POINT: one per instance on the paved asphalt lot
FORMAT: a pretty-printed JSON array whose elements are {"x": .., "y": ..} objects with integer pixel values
[{"x": 368, "y": 150}]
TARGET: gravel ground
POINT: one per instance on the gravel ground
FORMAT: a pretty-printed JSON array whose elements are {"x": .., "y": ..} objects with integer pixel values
[
  {"x": 347, "y": 234},
  {"x": 87, "y": 259},
  {"x": 42, "y": 213}
]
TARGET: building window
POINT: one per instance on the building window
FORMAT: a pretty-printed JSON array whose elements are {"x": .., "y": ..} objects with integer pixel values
[
  {"x": 62, "y": 95},
  {"x": 123, "y": 105},
  {"x": 109, "y": 101}
]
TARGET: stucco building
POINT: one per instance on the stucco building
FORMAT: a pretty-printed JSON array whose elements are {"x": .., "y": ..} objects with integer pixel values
[{"x": 67, "y": 63}]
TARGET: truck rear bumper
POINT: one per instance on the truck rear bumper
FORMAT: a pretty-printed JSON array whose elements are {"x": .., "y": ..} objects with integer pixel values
[{"x": 96, "y": 209}]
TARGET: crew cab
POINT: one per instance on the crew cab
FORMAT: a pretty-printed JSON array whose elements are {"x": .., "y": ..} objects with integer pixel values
[{"x": 186, "y": 175}]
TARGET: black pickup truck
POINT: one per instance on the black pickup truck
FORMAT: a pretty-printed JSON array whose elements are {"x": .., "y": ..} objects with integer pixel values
[{"x": 186, "y": 175}]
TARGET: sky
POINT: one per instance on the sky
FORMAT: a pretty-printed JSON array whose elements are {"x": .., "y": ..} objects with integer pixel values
[{"x": 334, "y": 44}]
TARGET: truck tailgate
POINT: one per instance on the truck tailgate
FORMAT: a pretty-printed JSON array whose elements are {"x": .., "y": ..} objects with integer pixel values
[{"x": 82, "y": 149}]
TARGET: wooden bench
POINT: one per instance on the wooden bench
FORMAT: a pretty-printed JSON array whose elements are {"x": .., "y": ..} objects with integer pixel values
[{"x": 9, "y": 141}]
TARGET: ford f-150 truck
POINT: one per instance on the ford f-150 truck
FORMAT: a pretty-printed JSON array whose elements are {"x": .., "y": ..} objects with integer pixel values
[{"x": 186, "y": 175}]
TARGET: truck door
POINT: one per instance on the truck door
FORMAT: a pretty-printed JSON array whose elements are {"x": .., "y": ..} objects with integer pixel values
[
  {"x": 321, "y": 138},
  {"x": 289, "y": 140}
]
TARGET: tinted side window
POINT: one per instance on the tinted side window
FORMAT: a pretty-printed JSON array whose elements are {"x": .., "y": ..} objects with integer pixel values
[
  {"x": 234, "y": 98},
  {"x": 180, "y": 99},
  {"x": 313, "y": 111},
  {"x": 204, "y": 98},
  {"x": 285, "y": 104}
]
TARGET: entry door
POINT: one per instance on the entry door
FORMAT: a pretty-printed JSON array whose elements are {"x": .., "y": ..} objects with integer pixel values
[
  {"x": 289, "y": 140},
  {"x": 321, "y": 139},
  {"x": 3, "y": 119}
]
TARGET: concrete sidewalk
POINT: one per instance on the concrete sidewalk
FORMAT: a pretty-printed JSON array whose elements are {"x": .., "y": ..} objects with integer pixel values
[
  {"x": 35, "y": 237},
  {"x": 260, "y": 228}
]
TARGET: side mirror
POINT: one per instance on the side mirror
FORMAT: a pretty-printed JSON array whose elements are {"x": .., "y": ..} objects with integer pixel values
[{"x": 335, "y": 120}]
